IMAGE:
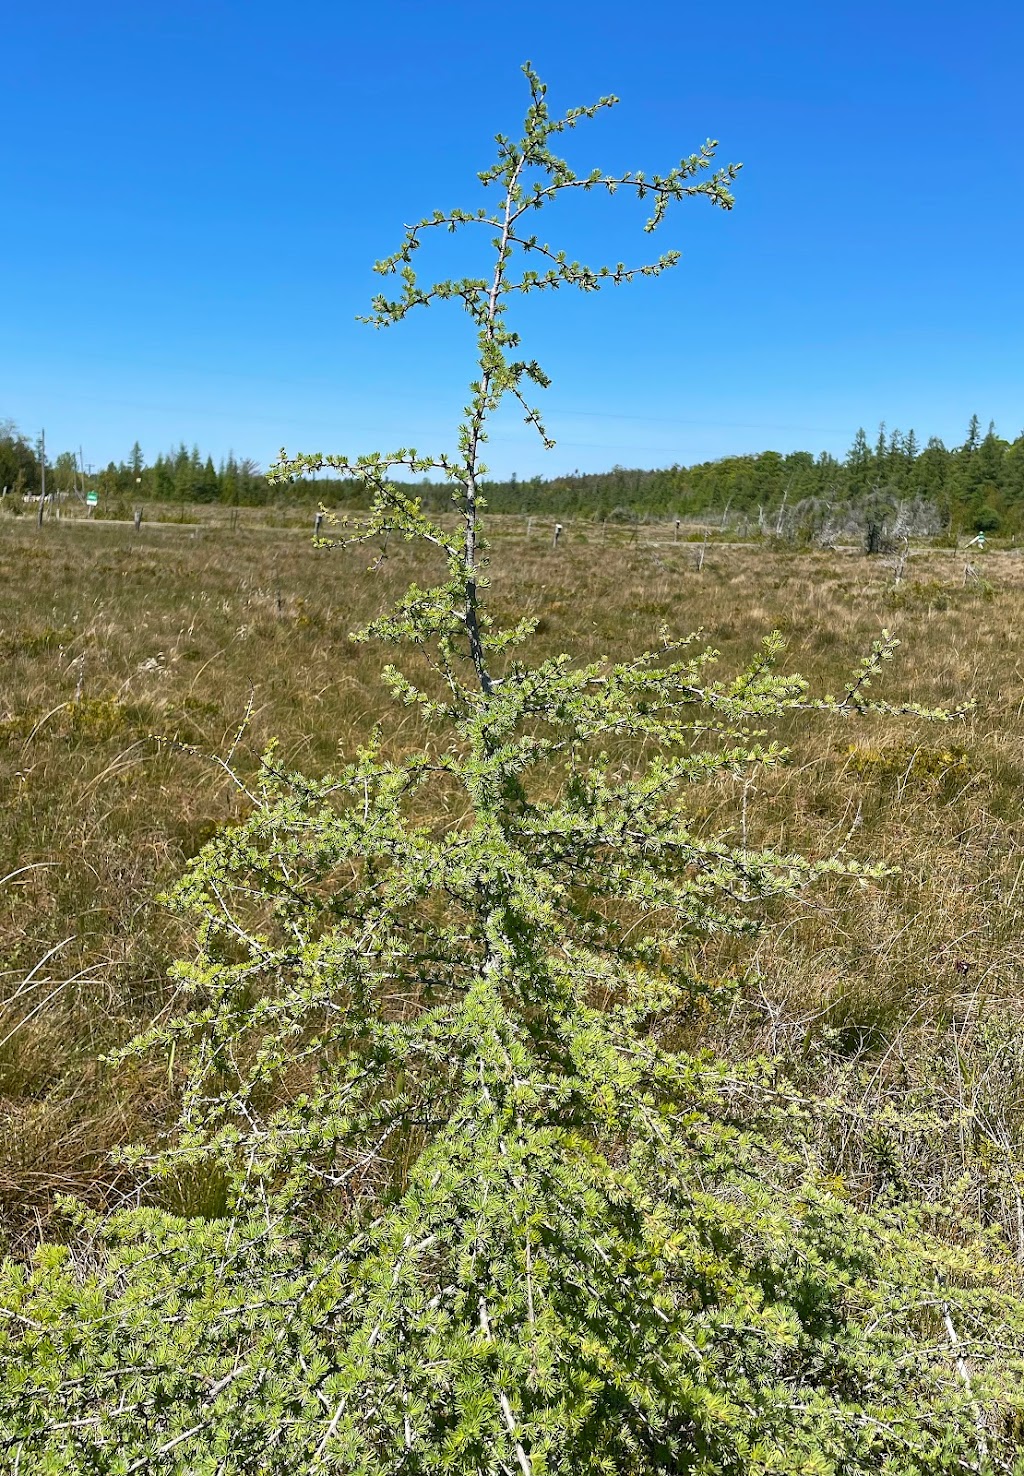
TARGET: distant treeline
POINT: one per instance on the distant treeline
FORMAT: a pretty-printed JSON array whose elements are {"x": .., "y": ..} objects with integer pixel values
[
  {"x": 179, "y": 476},
  {"x": 978, "y": 485}
]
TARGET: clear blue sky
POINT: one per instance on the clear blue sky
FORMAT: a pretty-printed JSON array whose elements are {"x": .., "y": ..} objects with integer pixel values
[{"x": 195, "y": 194}]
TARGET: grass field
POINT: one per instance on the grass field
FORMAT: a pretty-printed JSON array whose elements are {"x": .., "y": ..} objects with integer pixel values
[{"x": 131, "y": 665}]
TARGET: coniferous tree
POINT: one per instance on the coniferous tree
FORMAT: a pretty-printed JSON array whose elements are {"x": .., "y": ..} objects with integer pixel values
[
  {"x": 881, "y": 448},
  {"x": 208, "y": 487},
  {"x": 229, "y": 481},
  {"x": 859, "y": 464},
  {"x": 479, "y": 1214}
]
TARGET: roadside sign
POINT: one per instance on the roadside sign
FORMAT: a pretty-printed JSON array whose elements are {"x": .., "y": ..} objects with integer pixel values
[{"x": 91, "y": 499}]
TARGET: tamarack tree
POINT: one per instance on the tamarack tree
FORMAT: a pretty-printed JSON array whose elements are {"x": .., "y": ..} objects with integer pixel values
[{"x": 476, "y": 1212}]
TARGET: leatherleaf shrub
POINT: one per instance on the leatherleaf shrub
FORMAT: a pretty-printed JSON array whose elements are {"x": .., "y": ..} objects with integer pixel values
[{"x": 479, "y": 1214}]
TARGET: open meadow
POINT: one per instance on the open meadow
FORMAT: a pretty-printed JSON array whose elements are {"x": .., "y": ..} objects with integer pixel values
[{"x": 143, "y": 674}]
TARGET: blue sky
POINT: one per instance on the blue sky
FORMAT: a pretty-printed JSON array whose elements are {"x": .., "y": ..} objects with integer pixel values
[{"x": 196, "y": 193}]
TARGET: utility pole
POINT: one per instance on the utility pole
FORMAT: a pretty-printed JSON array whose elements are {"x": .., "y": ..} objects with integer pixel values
[{"x": 42, "y": 464}]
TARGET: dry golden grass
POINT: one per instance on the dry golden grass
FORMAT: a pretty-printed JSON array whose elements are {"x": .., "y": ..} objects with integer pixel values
[{"x": 124, "y": 659}]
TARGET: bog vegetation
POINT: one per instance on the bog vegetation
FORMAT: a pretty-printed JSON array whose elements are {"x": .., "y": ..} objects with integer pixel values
[{"x": 606, "y": 1062}]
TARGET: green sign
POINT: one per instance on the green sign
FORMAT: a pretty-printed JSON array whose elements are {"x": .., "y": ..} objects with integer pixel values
[{"x": 91, "y": 499}]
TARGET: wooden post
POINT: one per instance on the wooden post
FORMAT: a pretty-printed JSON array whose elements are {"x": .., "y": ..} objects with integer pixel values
[
  {"x": 676, "y": 539},
  {"x": 317, "y": 523},
  {"x": 138, "y": 519},
  {"x": 529, "y": 527},
  {"x": 558, "y": 534}
]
